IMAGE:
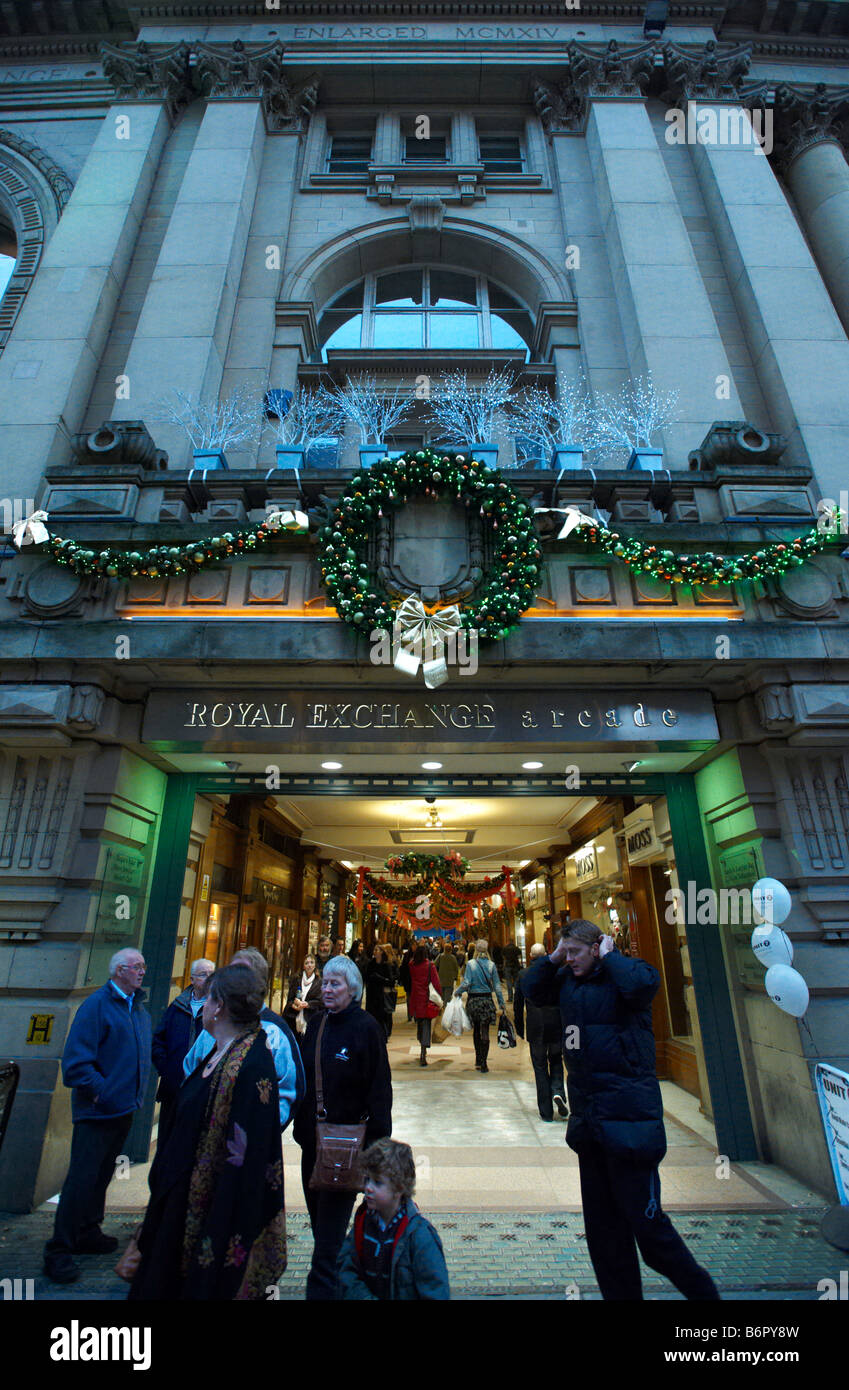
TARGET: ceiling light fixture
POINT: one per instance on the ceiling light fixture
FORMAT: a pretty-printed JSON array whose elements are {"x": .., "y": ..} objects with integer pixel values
[
  {"x": 431, "y": 767},
  {"x": 331, "y": 767},
  {"x": 531, "y": 767},
  {"x": 629, "y": 767}
]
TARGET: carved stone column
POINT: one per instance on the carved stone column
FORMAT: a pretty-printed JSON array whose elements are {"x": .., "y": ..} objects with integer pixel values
[
  {"x": 812, "y": 123},
  {"x": 666, "y": 316},
  {"x": 50, "y": 363},
  {"x": 184, "y": 329},
  {"x": 795, "y": 337}
]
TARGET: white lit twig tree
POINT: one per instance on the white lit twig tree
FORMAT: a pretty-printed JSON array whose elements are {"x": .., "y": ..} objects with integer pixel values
[
  {"x": 372, "y": 409},
  {"x": 309, "y": 417},
  {"x": 466, "y": 412},
  {"x": 632, "y": 418},
  {"x": 566, "y": 418},
  {"x": 217, "y": 425}
]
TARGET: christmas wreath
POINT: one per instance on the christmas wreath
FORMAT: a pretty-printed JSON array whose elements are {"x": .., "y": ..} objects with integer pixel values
[
  {"x": 506, "y": 589},
  {"x": 414, "y": 865}
]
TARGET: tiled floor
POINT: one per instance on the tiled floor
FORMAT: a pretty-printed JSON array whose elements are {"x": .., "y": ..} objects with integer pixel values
[
  {"x": 479, "y": 1143},
  {"x": 502, "y": 1188}
]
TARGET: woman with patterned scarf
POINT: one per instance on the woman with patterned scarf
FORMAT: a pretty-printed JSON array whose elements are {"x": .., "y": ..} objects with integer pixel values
[{"x": 215, "y": 1226}]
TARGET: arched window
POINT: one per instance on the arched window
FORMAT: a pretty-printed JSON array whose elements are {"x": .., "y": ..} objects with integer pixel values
[
  {"x": 425, "y": 307},
  {"x": 8, "y": 254}
]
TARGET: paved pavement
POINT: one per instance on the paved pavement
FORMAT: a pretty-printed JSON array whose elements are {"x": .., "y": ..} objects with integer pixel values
[
  {"x": 510, "y": 1255},
  {"x": 502, "y": 1189}
]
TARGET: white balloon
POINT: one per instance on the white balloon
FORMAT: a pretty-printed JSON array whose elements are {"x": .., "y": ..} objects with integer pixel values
[
  {"x": 771, "y": 901},
  {"x": 772, "y": 946},
  {"x": 787, "y": 989}
]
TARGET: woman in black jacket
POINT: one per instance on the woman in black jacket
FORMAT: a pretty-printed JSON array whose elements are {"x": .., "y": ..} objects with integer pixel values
[
  {"x": 379, "y": 979},
  {"x": 356, "y": 1084}
]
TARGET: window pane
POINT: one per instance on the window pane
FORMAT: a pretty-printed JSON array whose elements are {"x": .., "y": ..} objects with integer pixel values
[
  {"x": 449, "y": 289},
  {"x": 501, "y": 154},
  {"x": 506, "y": 335},
  {"x": 401, "y": 288},
  {"x": 349, "y": 154},
  {"x": 322, "y": 453},
  {"x": 344, "y": 331},
  {"x": 431, "y": 151},
  {"x": 453, "y": 330},
  {"x": 7, "y": 270},
  {"x": 398, "y": 330}
]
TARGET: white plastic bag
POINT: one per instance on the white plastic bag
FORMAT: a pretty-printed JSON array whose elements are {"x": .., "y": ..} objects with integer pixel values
[{"x": 455, "y": 1018}]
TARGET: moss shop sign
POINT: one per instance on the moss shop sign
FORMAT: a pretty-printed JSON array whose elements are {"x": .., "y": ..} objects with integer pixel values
[{"x": 313, "y": 718}]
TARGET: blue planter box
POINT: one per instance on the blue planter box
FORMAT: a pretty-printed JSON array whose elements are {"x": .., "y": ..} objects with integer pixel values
[
  {"x": 646, "y": 460},
  {"x": 210, "y": 458},
  {"x": 289, "y": 456},
  {"x": 567, "y": 456}
]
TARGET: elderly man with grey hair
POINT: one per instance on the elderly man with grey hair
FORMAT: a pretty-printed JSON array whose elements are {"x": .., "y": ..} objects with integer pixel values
[
  {"x": 356, "y": 1083},
  {"x": 173, "y": 1037},
  {"x": 106, "y": 1062}
]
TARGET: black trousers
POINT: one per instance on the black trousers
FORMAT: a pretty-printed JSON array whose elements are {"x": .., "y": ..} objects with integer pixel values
[
  {"x": 622, "y": 1211},
  {"x": 480, "y": 1035},
  {"x": 423, "y": 1031},
  {"x": 95, "y": 1145},
  {"x": 547, "y": 1061},
  {"x": 329, "y": 1213}
]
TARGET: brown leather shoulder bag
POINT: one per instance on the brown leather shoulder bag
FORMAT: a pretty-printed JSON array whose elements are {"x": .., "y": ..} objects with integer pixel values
[{"x": 337, "y": 1147}]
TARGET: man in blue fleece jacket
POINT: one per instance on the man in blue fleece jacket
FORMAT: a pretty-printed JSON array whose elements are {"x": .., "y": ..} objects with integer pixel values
[{"x": 107, "y": 1063}]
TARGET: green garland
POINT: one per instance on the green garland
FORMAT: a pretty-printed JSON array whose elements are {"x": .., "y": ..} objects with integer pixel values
[
  {"x": 705, "y": 568},
  {"x": 505, "y": 591},
  {"x": 415, "y": 865},
  {"x": 158, "y": 559}
]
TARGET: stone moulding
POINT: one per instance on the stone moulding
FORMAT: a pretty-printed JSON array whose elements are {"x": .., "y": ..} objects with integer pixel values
[
  {"x": 214, "y": 71},
  {"x": 736, "y": 443},
  {"x": 705, "y": 74}
]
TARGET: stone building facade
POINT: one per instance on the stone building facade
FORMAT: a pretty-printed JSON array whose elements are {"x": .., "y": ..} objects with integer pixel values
[{"x": 217, "y": 197}]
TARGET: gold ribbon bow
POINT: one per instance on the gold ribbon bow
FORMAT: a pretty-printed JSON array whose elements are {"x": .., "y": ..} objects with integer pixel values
[
  {"x": 287, "y": 521},
  {"x": 574, "y": 519},
  {"x": 415, "y": 631},
  {"x": 33, "y": 531}
]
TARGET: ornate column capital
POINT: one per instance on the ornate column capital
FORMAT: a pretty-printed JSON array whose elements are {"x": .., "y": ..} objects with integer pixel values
[
  {"x": 704, "y": 74},
  {"x": 595, "y": 71},
  {"x": 237, "y": 71},
  {"x": 807, "y": 116},
  {"x": 138, "y": 72}
]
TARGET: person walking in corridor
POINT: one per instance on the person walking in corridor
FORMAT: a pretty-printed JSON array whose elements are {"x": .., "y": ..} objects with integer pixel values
[
  {"x": 480, "y": 982},
  {"x": 422, "y": 1009},
  {"x": 106, "y": 1062},
  {"x": 616, "y": 1122},
  {"x": 448, "y": 971},
  {"x": 542, "y": 1029}
]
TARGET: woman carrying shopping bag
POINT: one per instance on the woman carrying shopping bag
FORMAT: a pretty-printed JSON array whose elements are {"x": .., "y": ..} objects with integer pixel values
[
  {"x": 425, "y": 998},
  {"x": 479, "y": 982}
]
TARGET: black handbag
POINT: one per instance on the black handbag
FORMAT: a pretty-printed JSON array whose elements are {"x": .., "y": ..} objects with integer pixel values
[
  {"x": 506, "y": 1032},
  {"x": 390, "y": 997}
]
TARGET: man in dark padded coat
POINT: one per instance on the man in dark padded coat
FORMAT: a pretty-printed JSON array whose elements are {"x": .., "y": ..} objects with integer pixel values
[{"x": 616, "y": 1122}]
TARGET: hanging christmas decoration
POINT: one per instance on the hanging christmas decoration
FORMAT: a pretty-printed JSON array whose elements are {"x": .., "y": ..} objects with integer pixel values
[
  {"x": 507, "y": 588},
  {"x": 425, "y": 866},
  {"x": 158, "y": 560},
  {"x": 703, "y": 568}
]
